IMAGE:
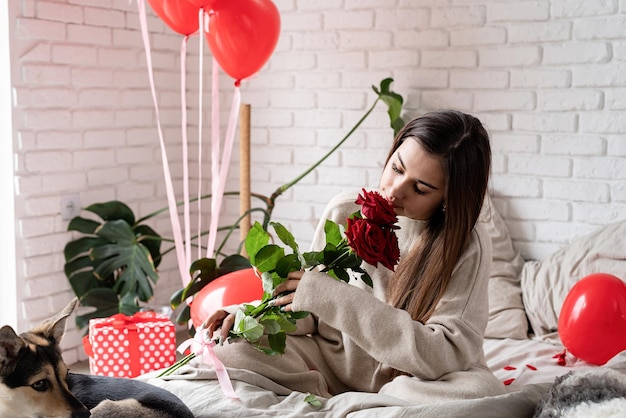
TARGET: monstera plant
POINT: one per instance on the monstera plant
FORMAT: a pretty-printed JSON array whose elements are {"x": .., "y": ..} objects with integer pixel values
[{"x": 112, "y": 266}]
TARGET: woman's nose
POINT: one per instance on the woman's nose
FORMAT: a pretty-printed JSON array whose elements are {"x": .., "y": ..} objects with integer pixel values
[{"x": 395, "y": 191}]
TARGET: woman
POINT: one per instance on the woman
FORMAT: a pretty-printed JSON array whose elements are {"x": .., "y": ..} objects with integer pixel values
[{"x": 418, "y": 333}]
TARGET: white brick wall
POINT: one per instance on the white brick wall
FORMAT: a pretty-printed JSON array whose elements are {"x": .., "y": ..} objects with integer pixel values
[{"x": 547, "y": 77}]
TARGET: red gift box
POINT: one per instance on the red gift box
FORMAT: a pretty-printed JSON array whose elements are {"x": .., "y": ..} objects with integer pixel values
[{"x": 128, "y": 346}]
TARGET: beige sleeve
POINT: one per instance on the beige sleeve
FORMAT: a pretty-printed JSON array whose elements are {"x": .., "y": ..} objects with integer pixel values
[{"x": 450, "y": 341}]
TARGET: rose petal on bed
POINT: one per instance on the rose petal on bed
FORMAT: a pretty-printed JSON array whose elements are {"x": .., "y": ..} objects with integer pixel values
[
  {"x": 508, "y": 381},
  {"x": 510, "y": 368},
  {"x": 531, "y": 367},
  {"x": 561, "y": 357}
]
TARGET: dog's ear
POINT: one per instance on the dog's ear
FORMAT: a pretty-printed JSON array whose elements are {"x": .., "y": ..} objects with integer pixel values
[
  {"x": 10, "y": 346},
  {"x": 54, "y": 328}
]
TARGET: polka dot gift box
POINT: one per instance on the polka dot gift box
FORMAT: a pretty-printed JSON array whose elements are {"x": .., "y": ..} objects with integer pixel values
[{"x": 128, "y": 346}]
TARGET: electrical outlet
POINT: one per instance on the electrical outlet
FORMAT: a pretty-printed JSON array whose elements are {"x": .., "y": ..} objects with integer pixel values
[{"x": 70, "y": 206}]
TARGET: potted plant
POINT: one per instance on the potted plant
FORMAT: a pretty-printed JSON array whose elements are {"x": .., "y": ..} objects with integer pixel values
[{"x": 112, "y": 267}]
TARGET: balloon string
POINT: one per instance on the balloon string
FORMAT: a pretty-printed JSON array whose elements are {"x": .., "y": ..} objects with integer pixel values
[
  {"x": 183, "y": 109},
  {"x": 228, "y": 146},
  {"x": 171, "y": 200},
  {"x": 215, "y": 147},
  {"x": 200, "y": 126}
]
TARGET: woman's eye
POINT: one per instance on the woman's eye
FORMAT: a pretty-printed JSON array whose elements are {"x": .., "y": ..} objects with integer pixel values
[
  {"x": 418, "y": 191},
  {"x": 395, "y": 168},
  {"x": 41, "y": 385}
]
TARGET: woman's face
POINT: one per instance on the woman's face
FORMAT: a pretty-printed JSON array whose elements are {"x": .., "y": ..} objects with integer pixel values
[{"x": 413, "y": 181}]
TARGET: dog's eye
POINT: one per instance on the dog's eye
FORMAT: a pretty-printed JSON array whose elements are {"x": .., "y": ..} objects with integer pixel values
[{"x": 41, "y": 385}]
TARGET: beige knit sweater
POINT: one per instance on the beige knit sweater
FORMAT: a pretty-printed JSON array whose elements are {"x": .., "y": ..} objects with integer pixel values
[{"x": 356, "y": 339}]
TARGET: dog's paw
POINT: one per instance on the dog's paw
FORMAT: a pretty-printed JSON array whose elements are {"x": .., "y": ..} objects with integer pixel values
[{"x": 127, "y": 408}]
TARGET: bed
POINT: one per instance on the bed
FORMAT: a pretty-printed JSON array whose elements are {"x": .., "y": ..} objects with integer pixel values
[{"x": 522, "y": 345}]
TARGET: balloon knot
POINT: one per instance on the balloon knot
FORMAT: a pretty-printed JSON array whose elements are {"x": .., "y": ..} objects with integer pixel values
[{"x": 237, "y": 83}]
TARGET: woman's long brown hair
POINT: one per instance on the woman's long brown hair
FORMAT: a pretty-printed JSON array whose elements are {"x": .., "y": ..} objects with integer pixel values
[{"x": 462, "y": 143}]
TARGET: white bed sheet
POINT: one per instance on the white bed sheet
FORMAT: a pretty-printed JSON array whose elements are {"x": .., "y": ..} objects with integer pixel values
[
  {"x": 259, "y": 397},
  {"x": 533, "y": 361}
]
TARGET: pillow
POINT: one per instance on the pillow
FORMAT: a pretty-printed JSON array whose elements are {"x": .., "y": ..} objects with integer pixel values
[
  {"x": 507, "y": 318},
  {"x": 546, "y": 283}
]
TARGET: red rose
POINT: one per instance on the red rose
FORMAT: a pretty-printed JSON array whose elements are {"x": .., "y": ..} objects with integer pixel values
[
  {"x": 373, "y": 243},
  {"x": 377, "y": 209}
]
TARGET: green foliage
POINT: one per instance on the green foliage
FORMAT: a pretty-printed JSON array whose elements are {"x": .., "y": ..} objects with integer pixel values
[
  {"x": 394, "y": 104},
  {"x": 203, "y": 271},
  {"x": 313, "y": 400},
  {"x": 112, "y": 267},
  {"x": 255, "y": 322}
]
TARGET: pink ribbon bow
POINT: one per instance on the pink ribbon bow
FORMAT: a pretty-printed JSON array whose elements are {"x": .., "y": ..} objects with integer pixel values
[{"x": 202, "y": 347}]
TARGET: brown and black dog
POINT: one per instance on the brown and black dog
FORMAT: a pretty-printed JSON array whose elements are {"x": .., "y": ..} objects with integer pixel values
[{"x": 36, "y": 383}]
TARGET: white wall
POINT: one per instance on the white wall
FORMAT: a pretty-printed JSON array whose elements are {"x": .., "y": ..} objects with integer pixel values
[{"x": 547, "y": 77}]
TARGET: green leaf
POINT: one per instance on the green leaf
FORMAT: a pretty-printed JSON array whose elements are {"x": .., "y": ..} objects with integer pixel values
[
  {"x": 113, "y": 210},
  {"x": 81, "y": 246},
  {"x": 268, "y": 282},
  {"x": 287, "y": 264},
  {"x": 333, "y": 233},
  {"x": 394, "y": 103},
  {"x": 267, "y": 257},
  {"x": 83, "y": 282},
  {"x": 248, "y": 327},
  {"x": 202, "y": 271},
  {"x": 285, "y": 236},
  {"x": 277, "y": 342},
  {"x": 232, "y": 263},
  {"x": 269, "y": 351},
  {"x": 148, "y": 237},
  {"x": 351, "y": 261},
  {"x": 117, "y": 230},
  {"x": 78, "y": 265},
  {"x": 128, "y": 304},
  {"x": 135, "y": 264},
  {"x": 256, "y": 239},
  {"x": 86, "y": 226},
  {"x": 312, "y": 400},
  {"x": 285, "y": 323},
  {"x": 299, "y": 314},
  {"x": 184, "y": 316},
  {"x": 313, "y": 258},
  {"x": 330, "y": 253},
  {"x": 342, "y": 275},
  {"x": 105, "y": 301},
  {"x": 271, "y": 325},
  {"x": 277, "y": 279},
  {"x": 367, "y": 279},
  {"x": 176, "y": 299}
]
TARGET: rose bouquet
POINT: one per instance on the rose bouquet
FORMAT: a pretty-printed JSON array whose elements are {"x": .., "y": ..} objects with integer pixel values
[{"x": 369, "y": 236}]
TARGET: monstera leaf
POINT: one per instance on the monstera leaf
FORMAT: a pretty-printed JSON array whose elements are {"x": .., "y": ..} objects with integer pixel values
[
  {"x": 394, "y": 104},
  {"x": 112, "y": 267}
]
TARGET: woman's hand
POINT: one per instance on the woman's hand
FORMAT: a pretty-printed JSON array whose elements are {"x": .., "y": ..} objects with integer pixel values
[
  {"x": 287, "y": 290},
  {"x": 219, "y": 319}
]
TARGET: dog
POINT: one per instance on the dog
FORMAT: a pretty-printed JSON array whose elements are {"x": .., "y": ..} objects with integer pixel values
[
  {"x": 597, "y": 393},
  {"x": 36, "y": 383}
]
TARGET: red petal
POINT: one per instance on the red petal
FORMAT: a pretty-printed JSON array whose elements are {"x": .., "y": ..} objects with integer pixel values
[
  {"x": 509, "y": 368},
  {"x": 531, "y": 367},
  {"x": 508, "y": 382}
]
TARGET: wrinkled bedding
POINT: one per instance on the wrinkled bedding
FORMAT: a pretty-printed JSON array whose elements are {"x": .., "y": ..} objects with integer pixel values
[{"x": 198, "y": 387}]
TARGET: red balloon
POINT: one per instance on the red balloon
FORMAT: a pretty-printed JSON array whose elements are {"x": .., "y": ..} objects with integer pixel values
[
  {"x": 180, "y": 15},
  {"x": 242, "y": 35},
  {"x": 202, "y": 4},
  {"x": 592, "y": 323},
  {"x": 240, "y": 286}
]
